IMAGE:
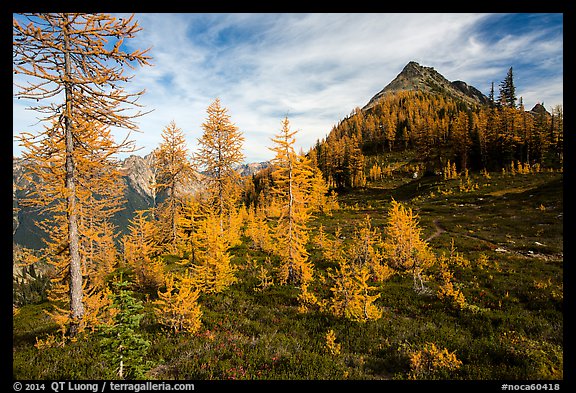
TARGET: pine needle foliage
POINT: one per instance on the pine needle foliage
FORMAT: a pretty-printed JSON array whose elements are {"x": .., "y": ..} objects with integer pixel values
[{"x": 123, "y": 347}]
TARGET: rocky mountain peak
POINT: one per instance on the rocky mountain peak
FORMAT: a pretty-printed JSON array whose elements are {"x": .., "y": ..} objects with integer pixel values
[
  {"x": 539, "y": 109},
  {"x": 139, "y": 174},
  {"x": 414, "y": 70},
  {"x": 415, "y": 77}
]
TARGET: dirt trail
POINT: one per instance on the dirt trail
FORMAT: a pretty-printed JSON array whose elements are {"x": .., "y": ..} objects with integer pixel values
[{"x": 438, "y": 232}]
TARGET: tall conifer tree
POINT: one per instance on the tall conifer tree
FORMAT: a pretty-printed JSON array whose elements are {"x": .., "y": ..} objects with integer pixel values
[
  {"x": 173, "y": 172},
  {"x": 508, "y": 91},
  {"x": 292, "y": 185},
  {"x": 219, "y": 155},
  {"x": 79, "y": 58}
]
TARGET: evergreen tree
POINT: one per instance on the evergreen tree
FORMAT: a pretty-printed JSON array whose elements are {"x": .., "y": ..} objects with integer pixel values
[
  {"x": 122, "y": 344},
  {"x": 508, "y": 91},
  {"x": 557, "y": 136},
  {"x": 491, "y": 99}
]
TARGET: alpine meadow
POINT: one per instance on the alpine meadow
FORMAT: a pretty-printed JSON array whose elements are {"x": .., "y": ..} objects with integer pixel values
[{"x": 420, "y": 237}]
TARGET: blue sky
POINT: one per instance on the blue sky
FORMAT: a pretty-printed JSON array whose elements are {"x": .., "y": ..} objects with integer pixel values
[{"x": 316, "y": 68}]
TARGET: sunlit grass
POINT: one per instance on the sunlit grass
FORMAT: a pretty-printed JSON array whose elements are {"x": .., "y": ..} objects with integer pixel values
[{"x": 515, "y": 281}]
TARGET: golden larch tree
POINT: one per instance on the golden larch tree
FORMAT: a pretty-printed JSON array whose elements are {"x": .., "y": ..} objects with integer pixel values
[
  {"x": 188, "y": 224},
  {"x": 220, "y": 152},
  {"x": 214, "y": 271},
  {"x": 403, "y": 248},
  {"x": 98, "y": 196},
  {"x": 177, "y": 307},
  {"x": 364, "y": 251},
  {"x": 292, "y": 174},
  {"x": 141, "y": 251},
  {"x": 258, "y": 230},
  {"x": 73, "y": 66},
  {"x": 174, "y": 172},
  {"x": 351, "y": 297}
]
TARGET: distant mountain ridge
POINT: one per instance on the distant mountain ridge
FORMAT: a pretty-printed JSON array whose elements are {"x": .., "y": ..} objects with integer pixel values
[
  {"x": 415, "y": 77},
  {"x": 138, "y": 176}
]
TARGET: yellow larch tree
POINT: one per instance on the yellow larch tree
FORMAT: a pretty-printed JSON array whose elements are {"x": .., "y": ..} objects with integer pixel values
[
  {"x": 98, "y": 196},
  {"x": 447, "y": 290},
  {"x": 174, "y": 172},
  {"x": 332, "y": 347},
  {"x": 364, "y": 251},
  {"x": 72, "y": 65},
  {"x": 214, "y": 271},
  {"x": 332, "y": 250},
  {"x": 141, "y": 251},
  {"x": 431, "y": 359},
  {"x": 364, "y": 307},
  {"x": 321, "y": 239},
  {"x": 220, "y": 152},
  {"x": 375, "y": 173},
  {"x": 264, "y": 276},
  {"x": 320, "y": 198},
  {"x": 291, "y": 188},
  {"x": 99, "y": 253},
  {"x": 258, "y": 230},
  {"x": 461, "y": 138},
  {"x": 188, "y": 224},
  {"x": 403, "y": 248},
  {"x": 177, "y": 307},
  {"x": 351, "y": 296}
]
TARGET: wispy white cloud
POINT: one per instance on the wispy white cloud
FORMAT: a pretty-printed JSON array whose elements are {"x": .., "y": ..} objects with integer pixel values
[{"x": 316, "y": 68}]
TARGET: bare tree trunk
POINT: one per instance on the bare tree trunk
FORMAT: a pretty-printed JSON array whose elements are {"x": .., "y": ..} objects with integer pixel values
[
  {"x": 76, "y": 304},
  {"x": 173, "y": 215},
  {"x": 291, "y": 272}
]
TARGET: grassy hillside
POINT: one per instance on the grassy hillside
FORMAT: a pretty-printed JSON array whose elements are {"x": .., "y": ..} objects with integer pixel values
[{"x": 508, "y": 227}]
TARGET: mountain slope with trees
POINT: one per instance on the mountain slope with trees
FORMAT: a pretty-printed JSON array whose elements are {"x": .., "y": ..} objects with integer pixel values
[{"x": 440, "y": 126}]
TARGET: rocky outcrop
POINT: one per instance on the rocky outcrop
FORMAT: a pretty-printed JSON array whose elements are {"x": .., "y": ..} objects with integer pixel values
[
  {"x": 470, "y": 91},
  {"x": 139, "y": 175},
  {"x": 252, "y": 168}
]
